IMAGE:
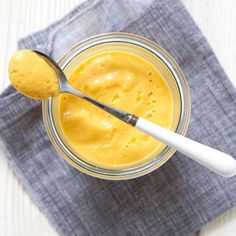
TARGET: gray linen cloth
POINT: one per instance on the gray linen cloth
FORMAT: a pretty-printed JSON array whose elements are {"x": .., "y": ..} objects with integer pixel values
[{"x": 176, "y": 199}]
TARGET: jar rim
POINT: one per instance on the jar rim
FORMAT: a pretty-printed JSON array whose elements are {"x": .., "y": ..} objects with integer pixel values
[{"x": 185, "y": 107}]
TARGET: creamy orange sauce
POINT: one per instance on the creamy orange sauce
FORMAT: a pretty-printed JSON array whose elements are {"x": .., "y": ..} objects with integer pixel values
[
  {"x": 125, "y": 81},
  {"x": 31, "y": 75}
]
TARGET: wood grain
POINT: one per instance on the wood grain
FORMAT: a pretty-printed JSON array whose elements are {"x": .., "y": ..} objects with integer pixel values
[{"x": 18, "y": 214}]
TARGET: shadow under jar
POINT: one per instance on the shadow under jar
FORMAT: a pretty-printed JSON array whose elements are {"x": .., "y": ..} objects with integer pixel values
[{"x": 152, "y": 53}]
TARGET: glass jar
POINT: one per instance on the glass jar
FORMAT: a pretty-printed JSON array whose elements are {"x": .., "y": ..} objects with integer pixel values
[{"x": 145, "y": 49}]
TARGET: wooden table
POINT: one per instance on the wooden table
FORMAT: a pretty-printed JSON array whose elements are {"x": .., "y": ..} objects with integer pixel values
[{"x": 18, "y": 214}]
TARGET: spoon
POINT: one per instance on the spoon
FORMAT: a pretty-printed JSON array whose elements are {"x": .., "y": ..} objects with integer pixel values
[{"x": 217, "y": 161}]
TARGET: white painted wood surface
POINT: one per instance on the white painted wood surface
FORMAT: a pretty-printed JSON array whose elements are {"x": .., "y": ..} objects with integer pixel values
[{"x": 18, "y": 214}]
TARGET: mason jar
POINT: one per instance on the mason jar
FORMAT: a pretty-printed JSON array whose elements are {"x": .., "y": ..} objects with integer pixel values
[{"x": 150, "y": 52}]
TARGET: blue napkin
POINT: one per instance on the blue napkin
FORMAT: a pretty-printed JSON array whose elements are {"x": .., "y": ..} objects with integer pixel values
[{"x": 176, "y": 199}]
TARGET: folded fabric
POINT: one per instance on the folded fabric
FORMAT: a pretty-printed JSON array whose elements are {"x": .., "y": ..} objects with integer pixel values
[{"x": 176, "y": 199}]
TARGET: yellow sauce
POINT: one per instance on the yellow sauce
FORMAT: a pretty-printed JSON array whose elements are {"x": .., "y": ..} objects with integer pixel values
[
  {"x": 125, "y": 81},
  {"x": 31, "y": 75}
]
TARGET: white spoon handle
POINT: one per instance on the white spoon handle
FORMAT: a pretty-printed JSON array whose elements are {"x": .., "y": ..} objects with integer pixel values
[{"x": 219, "y": 162}]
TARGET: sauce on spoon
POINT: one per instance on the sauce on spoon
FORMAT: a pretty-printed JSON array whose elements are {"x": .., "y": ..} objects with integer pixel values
[{"x": 32, "y": 76}]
